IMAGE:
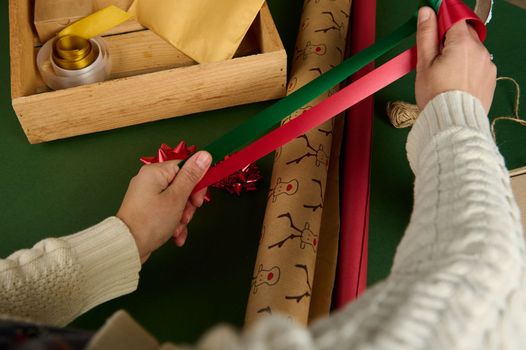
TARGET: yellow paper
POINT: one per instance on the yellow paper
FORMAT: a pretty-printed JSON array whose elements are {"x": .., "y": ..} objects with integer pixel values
[
  {"x": 97, "y": 23},
  {"x": 205, "y": 30}
]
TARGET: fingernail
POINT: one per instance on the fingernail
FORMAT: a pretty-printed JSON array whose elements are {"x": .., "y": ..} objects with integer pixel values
[
  {"x": 424, "y": 14},
  {"x": 177, "y": 242},
  {"x": 178, "y": 230},
  {"x": 180, "y": 241},
  {"x": 203, "y": 160}
]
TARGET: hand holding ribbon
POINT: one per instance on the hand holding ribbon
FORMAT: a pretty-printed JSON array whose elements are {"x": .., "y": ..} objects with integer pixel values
[
  {"x": 463, "y": 63},
  {"x": 243, "y": 180},
  {"x": 159, "y": 202}
]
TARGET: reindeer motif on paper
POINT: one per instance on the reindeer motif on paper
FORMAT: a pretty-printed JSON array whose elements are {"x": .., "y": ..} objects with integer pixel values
[
  {"x": 320, "y": 156},
  {"x": 305, "y": 235},
  {"x": 308, "y": 292},
  {"x": 315, "y": 207},
  {"x": 311, "y": 49},
  {"x": 289, "y": 188},
  {"x": 330, "y": 131},
  {"x": 335, "y": 25},
  {"x": 269, "y": 277},
  {"x": 320, "y": 71},
  {"x": 267, "y": 310}
]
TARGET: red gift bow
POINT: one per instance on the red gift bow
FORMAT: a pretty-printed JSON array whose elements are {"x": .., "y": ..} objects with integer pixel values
[
  {"x": 166, "y": 153},
  {"x": 242, "y": 180}
]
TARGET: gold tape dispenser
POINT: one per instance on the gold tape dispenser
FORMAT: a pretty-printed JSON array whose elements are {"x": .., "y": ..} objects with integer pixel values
[{"x": 78, "y": 55}]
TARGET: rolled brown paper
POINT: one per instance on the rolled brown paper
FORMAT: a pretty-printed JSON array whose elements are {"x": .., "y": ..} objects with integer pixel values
[
  {"x": 286, "y": 261},
  {"x": 327, "y": 257}
]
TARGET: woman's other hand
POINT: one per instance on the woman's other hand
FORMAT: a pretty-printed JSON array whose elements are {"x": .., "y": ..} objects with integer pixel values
[{"x": 463, "y": 63}]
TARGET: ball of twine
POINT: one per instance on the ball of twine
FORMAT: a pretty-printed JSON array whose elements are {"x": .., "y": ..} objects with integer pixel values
[{"x": 402, "y": 114}]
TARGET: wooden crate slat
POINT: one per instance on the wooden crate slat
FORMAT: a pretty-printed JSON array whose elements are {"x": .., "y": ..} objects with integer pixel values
[{"x": 151, "y": 97}]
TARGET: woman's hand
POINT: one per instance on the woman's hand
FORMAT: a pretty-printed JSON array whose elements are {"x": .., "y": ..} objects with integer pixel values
[
  {"x": 159, "y": 202},
  {"x": 462, "y": 64}
]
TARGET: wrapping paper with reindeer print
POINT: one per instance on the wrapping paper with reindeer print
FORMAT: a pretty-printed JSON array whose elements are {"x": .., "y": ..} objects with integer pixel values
[{"x": 283, "y": 279}]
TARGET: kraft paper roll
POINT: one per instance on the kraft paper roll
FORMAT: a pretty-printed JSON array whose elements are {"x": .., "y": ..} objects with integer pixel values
[
  {"x": 327, "y": 257},
  {"x": 286, "y": 261}
]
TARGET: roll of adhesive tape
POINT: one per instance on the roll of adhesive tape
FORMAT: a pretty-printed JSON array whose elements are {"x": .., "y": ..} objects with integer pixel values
[
  {"x": 484, "y": 9},
  {"x": 57, "y": 77}
]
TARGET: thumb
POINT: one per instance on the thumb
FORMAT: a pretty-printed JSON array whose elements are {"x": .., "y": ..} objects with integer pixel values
[
  {"x": 189, "y": 176},
  {"x": 156, "y": 177},
  {"x": 427, "y": 37},
  {"x": 460, "y": 31}
]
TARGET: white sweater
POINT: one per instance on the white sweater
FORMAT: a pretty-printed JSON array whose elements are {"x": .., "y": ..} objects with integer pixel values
[{"x": 458, "y": 279}]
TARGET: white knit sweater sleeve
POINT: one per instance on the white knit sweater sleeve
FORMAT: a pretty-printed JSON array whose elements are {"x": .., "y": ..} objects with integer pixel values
[
  {"x": 61, "y": 278},
  {"x": 458, "y": 275}
]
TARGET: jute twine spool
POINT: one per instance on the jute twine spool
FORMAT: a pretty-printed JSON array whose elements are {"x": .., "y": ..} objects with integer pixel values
[
  {"x": 515, "y": 118},
  {"x": 403, "y": 114}
]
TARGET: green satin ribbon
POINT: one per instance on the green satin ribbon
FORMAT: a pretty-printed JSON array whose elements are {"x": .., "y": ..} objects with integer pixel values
[
  {"x": 435, "y": 4},
  {"x": 266, "y": 120}
]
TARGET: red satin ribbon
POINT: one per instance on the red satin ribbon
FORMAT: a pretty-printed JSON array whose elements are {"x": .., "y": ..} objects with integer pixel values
[
  {"x": 334, "y": 105},
  {"x": 454, "y": 11}
]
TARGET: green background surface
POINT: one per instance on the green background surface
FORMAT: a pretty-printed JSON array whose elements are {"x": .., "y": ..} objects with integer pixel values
[{"x": 61, "y": 187}]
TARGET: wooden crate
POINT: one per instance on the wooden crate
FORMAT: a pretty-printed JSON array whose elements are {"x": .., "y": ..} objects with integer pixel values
[{"x": 151, "y": 80}]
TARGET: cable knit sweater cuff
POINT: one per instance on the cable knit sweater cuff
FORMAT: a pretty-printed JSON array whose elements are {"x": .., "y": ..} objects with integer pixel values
[
  {"x": 109, "y": 259},
  {"x": 447, "y": 110}
]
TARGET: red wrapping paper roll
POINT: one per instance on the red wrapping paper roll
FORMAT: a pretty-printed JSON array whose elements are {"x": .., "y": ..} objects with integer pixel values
[{"x": 351, "y": 279}]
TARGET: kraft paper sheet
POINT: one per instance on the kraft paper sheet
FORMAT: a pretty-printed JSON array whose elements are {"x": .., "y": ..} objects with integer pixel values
[
  {"x": 284, "y": 274},
  {"x": 205, "y": 30}
]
